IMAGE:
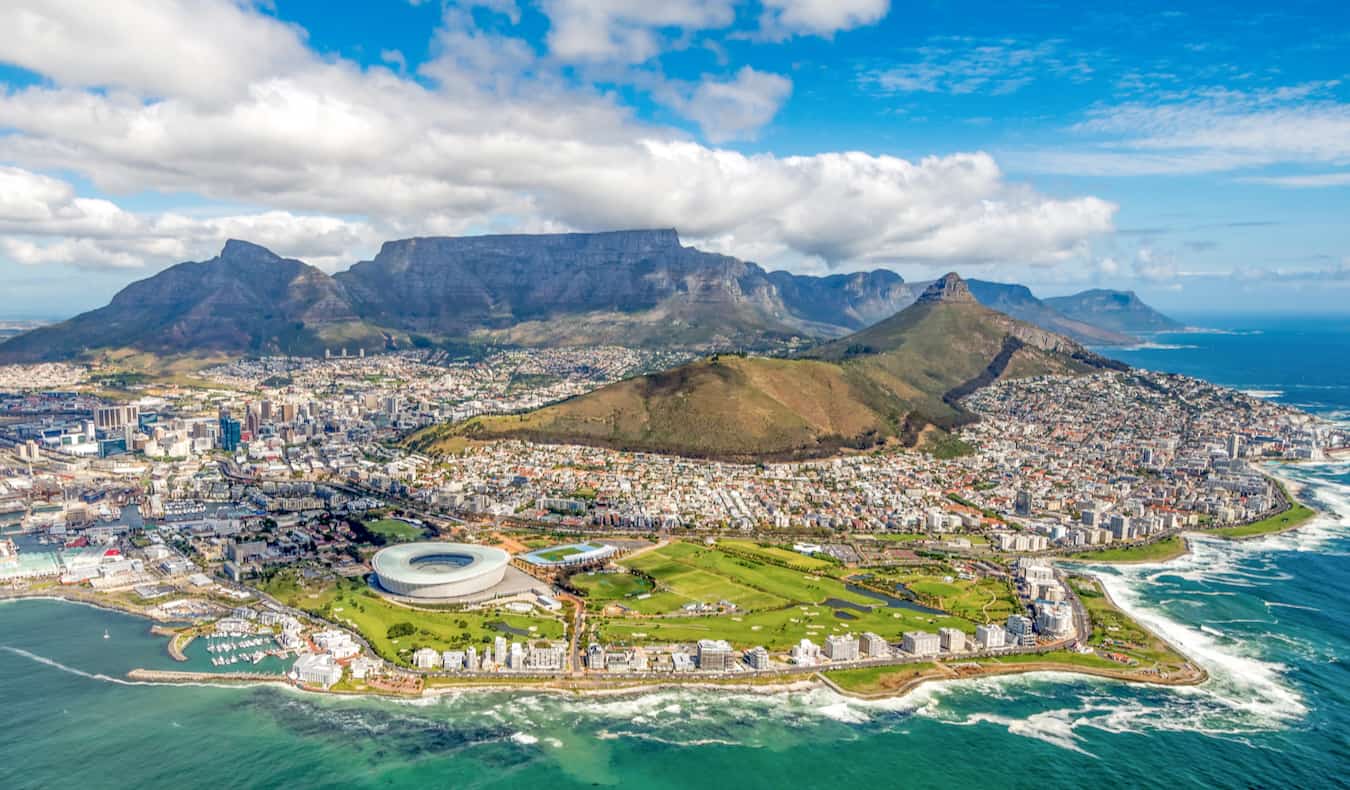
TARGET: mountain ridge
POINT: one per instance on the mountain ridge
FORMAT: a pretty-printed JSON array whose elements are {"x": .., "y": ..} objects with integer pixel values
[{"x": 635, "y": 287}]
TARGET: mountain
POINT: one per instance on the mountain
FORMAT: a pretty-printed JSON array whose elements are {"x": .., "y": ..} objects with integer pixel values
[
  {"x": 631, "y": 287},
  {"x": 637, "y": 287},
  {"x": 245, "y": 300},
  {"x": 1018, "y": 302},
  {"x": 1121, "y": 311},
  {"x": 897, "y": 381}
]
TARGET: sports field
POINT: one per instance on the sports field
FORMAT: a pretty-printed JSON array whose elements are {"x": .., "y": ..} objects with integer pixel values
[
  {"x": 560, "y": 553},
  {"x": 605, "y": 588}
]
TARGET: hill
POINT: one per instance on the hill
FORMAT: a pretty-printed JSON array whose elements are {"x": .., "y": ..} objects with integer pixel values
[
  {"x": 886, "y": 384},
  {"x": 1018, "y": 302},
  {"x": 245, "y": 300},
  {"x": 1120, "y": 311}
]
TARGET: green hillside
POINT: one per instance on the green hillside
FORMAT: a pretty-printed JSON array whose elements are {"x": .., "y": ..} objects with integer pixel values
[{"x": 883, "y": 385}]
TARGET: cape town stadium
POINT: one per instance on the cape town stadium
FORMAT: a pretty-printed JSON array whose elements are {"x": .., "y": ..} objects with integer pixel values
[{"x": 439, "y": 570}]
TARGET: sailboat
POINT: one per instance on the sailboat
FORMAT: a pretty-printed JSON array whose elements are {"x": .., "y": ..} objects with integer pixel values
[{"x": 105, "y": 634}]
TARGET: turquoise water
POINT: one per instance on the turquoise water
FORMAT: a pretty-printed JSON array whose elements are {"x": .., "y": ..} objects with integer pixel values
[{"x": 1270, "y": 620}]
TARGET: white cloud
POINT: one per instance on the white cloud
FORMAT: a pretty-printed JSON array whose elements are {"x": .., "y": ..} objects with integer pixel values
[
  {"x": 199, "y": 50},
  {"x": 1304, "y": 181},
  {"x": 964, "y": 65},
  {"x": 1209, "y": 131},
  {"x": 43, "y": 220},
  {"x": 487, "y": 139},
  {"x": 736, "y": 108},
  {"x": 626, "y": 31},
  {"x": 782, "y": 18}
]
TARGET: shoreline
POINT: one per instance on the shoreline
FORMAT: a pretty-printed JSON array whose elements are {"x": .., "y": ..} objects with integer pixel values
[{"x": 569, "y": 686}]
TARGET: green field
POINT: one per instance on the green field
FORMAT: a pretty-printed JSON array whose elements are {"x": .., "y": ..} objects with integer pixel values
[
  {"x": 981, "y": 600},
  {"x": 1295, "y": 515},
  {"x": 353, "y": 603},
  {"x": 880, "y": 680},
  {"x": 1114, "y": 631},
  {"x": 395, "y": 530},
  {"x": 777, "y": 554},
  {"x": 776, "y": 606},
  {"x": 605, "y": 588},
  {"x": 1157, "y": 551},
  {"x": 560, "y": 553}
]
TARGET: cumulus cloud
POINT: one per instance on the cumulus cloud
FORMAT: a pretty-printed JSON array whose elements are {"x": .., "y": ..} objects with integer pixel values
[
  {"x": 625, "y": 31},
  {"x": 783, "y": 18},
  {"x": 486, "y": 139},
  {"x": 153, "y": 47}
]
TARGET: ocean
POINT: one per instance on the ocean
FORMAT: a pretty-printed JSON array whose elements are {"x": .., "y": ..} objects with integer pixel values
[{"x": 1269, "y": 619}]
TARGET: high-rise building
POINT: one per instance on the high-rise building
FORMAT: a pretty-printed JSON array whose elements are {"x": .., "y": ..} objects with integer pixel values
[
  {"x": 953, "y": 640},
  {"x": 757, "y": 658},
  {"x": 841, "y": 648},
  {"x": 230, "y": 433},
  {"x": 714, "y": 655},
  {"x": 1021, "y": 631},
  {"x": 921, "y": 643},
  {"x": 988, "y": 637},
  {"x": 873, "y": 646}
]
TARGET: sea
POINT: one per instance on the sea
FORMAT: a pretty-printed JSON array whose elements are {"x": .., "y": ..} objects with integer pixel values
[{"x": 1269, "y": 619}]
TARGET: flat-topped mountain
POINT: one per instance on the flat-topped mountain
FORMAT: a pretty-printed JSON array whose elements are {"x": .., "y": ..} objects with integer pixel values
[
  {"x": 640, "y": 287},
  {"x": 894, "y": 382},
  {"x": 1120, "y": 311}
]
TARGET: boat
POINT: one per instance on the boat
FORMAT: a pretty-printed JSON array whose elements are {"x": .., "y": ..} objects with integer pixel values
[{"x": 105, "y": 634}]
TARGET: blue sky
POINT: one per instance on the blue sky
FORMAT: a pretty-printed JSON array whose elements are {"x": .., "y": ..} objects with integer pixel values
[{"x": 1200, "y": 155}]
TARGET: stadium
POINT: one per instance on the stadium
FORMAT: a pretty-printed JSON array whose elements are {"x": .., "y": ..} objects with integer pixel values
[{"x": 439, "y": 570}]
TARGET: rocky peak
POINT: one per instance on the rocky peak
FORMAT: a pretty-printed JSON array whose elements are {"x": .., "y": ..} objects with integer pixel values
[
  {"x": 948, "y": 288},
  {"x": 239, "y": 250}
]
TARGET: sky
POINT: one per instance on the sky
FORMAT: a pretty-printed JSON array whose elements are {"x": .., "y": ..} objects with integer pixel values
[{"x": 1197, "y": 153}]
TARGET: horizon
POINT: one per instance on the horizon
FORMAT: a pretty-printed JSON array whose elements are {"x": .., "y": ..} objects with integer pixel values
[{"x": 1183, "y": 154}]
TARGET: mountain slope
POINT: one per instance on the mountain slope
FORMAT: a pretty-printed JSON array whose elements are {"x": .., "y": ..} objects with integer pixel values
[
  {"x": 245, "y": 300},
  {"x": 881, "y": 385},
  {"x": 1120, "y": 311}
]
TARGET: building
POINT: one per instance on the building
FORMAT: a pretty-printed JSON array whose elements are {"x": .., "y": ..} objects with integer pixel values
[
  {"x": 316, "y": 669},
  {"x": 499, "y": 651},
  {"x": 1021, "y": 631},
  {"x": 953, "y": 640},
  {"x": 439, "y": 570},
  {"x": 117, "y": 419},
  {"x": 805, "y": 653},
  {"x": 874, "y": 646},
  {"x": 757, "y": 658},
  {"x": 841, "y": 648},
  {"x": 714, "y": 655},
  {"x": 990, "y": 637},
  {"x": 1054, "y": 619},
  {"x": 231, "y": 432},
  {"x": 426, "y": 658},
  {"x": 452, "y": 660},
  {"x": 921, "y": 643},
  {"x": 545, "y": 659},
  {"x": 595, "y": 656}
]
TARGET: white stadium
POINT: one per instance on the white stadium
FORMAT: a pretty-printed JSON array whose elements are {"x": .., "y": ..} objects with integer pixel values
[{"x": 439, "y": 570}]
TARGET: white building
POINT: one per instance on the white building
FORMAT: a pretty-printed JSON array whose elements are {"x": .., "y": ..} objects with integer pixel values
[
  {"x": 757, "y": 658},
  {"x": 805, "y": 653},
  {"x": 953, "y": 640},
  {"x": 841, "y": 648},
  {"x": 873, "y": 646},
  {"x": 339, "y": 643},
  {"x": 921, "y": 643},
  {"x": 426, "y": 658},
  {"x": 988, "y": 637},
  {"x": 714, "y": 655},
  {"x": 317, "y": 669},
  {"x": 1021, "y": 631}
]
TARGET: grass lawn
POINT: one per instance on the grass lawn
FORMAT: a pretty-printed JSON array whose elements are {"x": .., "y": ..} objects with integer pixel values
[
  {"x": 878, "y": 680},
  {"x": 352, "y": 602},
  {"x": 1066, "y": 657},
  {"x": 981, "y": 600},
  {"x": 1278, "y": 523},
  {"x": 1157, "y": 551},
  {"x": 604, "y": 588},
  {"x": 777, "y": 554},
  {"x": 395, "y": 530},
  {"x": 1114, "y": 631},
  {"x": 560, "y": 553}
]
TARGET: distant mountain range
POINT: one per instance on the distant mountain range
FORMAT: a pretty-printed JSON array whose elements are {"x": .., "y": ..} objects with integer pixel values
[
  {"x": 898, "y": 381},
  {"x": 640, "y": 287}
]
